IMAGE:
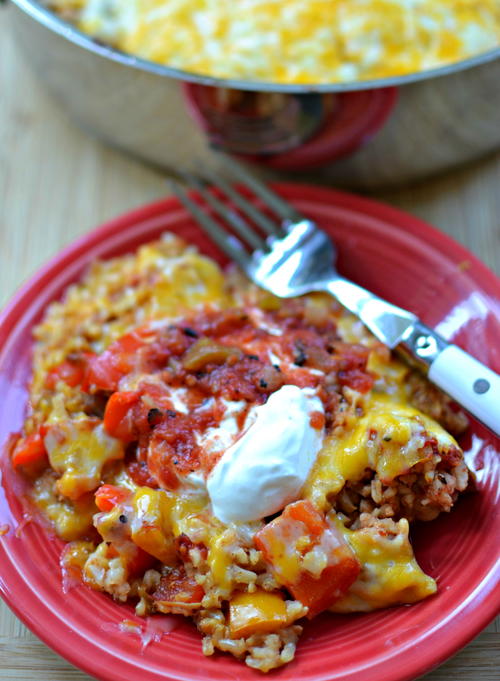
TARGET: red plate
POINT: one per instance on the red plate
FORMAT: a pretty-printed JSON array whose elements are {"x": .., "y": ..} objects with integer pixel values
[{"x": 398, "y": 257}]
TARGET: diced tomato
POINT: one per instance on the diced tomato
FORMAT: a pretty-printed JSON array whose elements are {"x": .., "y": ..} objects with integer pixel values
[
  {"x": 286, "y": 543},
  {"x": 136, "y": 560},
  {"x": 184, "y": 545},
  {"x": 71, "y": 371},
  {"x": 106, "y": 370},
  {"x": 173, "y": 449},
  {"x": 352, "y": 370},
  {"x": 178, "y": 587},
  {"x": 156, "y": 395},
  {"x": 358, "y": 380},
  {"x": 119, "y": 416},
  {"x": 124, "y": 348},
  {"x": 131, "y": 415},
  {"x": 162, "y": 464},
  {"x": 139, "y": 472},
  {"x": 29, "y": 450},
  {"x": 102, "y": 374},
  {"x": 109, "y": 496},
  {"x": 141, "y": 562},
  {"x": 317, "y": 420}
]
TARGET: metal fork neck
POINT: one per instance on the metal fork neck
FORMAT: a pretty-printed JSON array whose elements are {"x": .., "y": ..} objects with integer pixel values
[{"x": 420, "y": 346}]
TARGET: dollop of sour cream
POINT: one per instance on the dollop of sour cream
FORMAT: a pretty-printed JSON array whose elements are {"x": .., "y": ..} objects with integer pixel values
[{"x": 266, "y": 468}]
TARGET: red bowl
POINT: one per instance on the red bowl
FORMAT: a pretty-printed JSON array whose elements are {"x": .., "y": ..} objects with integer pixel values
[{"x": 399, "y": 258}]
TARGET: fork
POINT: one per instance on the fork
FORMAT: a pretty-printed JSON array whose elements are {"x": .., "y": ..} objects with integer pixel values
[{"x": 292, "y": 256}]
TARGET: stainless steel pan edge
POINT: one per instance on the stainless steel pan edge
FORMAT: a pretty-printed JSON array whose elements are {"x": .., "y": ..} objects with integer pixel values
[{"x": 443, "y": 117}]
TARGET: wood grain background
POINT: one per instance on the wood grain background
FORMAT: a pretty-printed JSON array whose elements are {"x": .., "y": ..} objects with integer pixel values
[{"x": 56, "y": 183}]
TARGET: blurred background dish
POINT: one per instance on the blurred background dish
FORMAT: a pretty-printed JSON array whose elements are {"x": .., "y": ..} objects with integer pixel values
[
  {"x": 360, "y": 133},
  {"x": 293, "y": 42}
]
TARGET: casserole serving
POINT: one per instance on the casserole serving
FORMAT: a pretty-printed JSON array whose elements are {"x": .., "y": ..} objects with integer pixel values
[{"x": 210, "y": 450}]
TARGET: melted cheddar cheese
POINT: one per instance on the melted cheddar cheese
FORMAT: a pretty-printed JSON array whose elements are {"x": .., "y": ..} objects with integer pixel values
[
  {"x": 78, "y": 451},
  {"x": 389, "y": 439},
  {"x": 389, "y": 575},
  {"x": 191, "y": 516},
  {"x": 293, "y": 41},
  {"x": 70, "y": 519}
]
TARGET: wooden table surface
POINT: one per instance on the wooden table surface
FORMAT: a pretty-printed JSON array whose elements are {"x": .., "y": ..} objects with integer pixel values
[{"x": 56, "y": 183}]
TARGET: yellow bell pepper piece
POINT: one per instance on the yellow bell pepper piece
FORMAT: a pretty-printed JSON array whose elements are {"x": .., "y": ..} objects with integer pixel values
[
  {"x": 81, "y": 455},
  {"x": 256, "y": 613},
  {"x": 151, "y": 527}
]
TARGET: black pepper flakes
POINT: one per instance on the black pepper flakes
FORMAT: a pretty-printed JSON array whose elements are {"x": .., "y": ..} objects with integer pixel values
[
  {"x": 190, "y": 332},
  {"x": 263, "y": 383},
  {"x": 254, "y": 357},
  {"x": 171, "y": 413},
  {"x": 123, "y": 519},
  {"x": 154, "y": 417},
  {"x": 300, "y": 357}
]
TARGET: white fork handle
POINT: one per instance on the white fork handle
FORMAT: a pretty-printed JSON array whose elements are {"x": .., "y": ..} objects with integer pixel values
[
  {"x": 470, "y": 383},
  {"x": 465, "y": 379}
]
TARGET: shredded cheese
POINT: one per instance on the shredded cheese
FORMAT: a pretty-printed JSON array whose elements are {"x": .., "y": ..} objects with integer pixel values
[{"x": 294, "y": 41}]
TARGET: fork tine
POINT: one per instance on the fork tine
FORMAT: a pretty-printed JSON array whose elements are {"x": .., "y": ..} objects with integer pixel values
[
  {"x": 225, "y": 212},
  {"x": 270, "y": 198},
  {"x": 226, "y": 242},
  {"x": 269, "y": 227}
]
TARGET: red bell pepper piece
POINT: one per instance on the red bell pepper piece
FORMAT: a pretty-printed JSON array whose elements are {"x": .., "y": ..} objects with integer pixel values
[
  {"x": 29, "y": 449},
  {"x": 119, "y": 415},
  {"x": 109, "y": 496},
  {"x": 294, "y": 542}
]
